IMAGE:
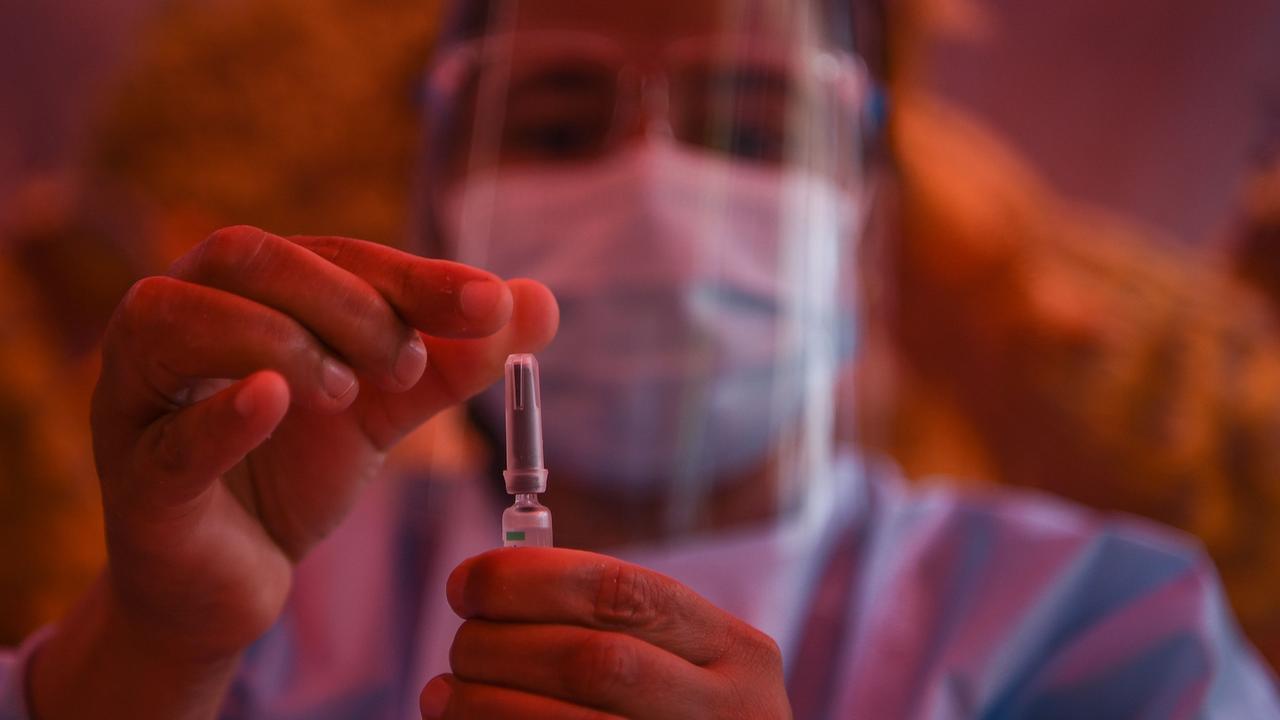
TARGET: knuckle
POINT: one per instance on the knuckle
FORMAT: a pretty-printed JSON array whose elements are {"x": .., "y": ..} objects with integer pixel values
[
  {"x": 332, "y": 249},
  {"x": 290, "y": 336},
  {"x": 289, "y": 341},
  {"x": 754, "y": 648},
  {"x": 144, "y": 292},
  {"x": 765, "y": 650},
  {"x": 230, "y": 250},
  {"x": 145, "y": 299},
  {"x": 406, "y": 281},
  {"x": 601, "y": 666},
  {"x": 626, "y": 596},
  {"x": 368, "y": 312}
]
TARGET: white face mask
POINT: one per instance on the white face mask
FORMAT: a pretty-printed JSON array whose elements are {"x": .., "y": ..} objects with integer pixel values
[{"x": 676, "y": 359}]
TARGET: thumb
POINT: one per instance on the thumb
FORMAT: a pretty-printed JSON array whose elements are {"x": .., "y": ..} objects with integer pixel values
[{"x": 185, "y": 452}]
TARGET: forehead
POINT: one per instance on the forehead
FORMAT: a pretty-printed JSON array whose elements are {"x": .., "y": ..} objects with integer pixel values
[{"x": 656, "y": 22}]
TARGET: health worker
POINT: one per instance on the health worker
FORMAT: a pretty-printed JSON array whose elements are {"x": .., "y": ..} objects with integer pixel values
[{"x": 685, "y": 178}]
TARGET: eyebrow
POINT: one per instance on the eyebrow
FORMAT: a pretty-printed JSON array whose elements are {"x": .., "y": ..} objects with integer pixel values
[{"x": 562, "y": 76}]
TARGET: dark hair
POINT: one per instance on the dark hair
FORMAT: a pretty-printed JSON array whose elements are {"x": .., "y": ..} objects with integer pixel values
[
  {"x": 846, "y": 23},
  {"x": 468, "y": 19}
]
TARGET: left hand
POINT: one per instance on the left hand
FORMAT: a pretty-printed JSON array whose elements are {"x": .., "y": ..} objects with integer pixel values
[{"x": 569, "y": 635}]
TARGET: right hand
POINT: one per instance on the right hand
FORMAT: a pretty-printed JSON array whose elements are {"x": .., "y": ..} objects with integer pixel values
[{"x": 213, "y": 488}]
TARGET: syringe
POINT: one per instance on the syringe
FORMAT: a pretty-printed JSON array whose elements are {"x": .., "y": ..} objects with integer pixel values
[{"x": 527, "y": 523}]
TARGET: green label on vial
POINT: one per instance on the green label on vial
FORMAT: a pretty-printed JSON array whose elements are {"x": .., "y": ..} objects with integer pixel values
[{"x": 513, "y": 535}]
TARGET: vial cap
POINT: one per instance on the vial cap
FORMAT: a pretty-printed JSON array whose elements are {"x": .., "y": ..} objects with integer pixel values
[{"x": 525, "y": 471}]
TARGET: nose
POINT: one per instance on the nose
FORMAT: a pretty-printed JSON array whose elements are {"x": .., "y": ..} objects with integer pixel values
[{"x": 652, "y": 119}]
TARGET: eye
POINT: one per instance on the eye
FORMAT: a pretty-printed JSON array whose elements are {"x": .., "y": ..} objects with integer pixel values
[
  {"x": 557, "y": 113},
  {"x": 739, "y": 111},
  {"x": 755, "y": 143},
  {"x": 562, "y": 138}
]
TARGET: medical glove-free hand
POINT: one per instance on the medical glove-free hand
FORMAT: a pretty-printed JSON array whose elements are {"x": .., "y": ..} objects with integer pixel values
[
  {"x": 214, "y": 487},
  {"x": 553, "y": 633}
]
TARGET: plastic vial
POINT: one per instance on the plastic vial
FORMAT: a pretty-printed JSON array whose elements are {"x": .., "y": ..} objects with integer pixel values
[{"x": 527, "y": 523}]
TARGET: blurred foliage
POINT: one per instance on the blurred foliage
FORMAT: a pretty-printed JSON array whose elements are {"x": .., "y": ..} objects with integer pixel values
[
  {"x": 300, "y": 116},
  {"x": 1073, "y": 359},
  {"x": 1258, "y": 252},
  {"x": 296, "y": 115},
  {"x": 50, "y": 519},
  {"x": 1061, "y": 348},
  {"x": 1085, "y": 358}
]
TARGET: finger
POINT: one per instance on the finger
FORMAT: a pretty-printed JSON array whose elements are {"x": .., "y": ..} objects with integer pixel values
[
  {"x": 458, "y": 369},
  {"x": 544, "y": 585},
  {"x": 607, "y": 670},
  {"x": 189, "y": 449},
  {"x": 168, "y": 334},
  {"x": 440, "y": 298},
  {"x": 343, "y": 310},
  {"x": 448, "y": 698}
]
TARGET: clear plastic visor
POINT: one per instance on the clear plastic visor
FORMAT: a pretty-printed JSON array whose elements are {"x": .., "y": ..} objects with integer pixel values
[{"x": 686, "y": 178}]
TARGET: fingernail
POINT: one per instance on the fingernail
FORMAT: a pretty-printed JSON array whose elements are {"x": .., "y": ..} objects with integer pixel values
[
  {"x": 244, "y": 403},
  {"x": 411, "y": 361},
  {"x": 337, "y": 379},
  {"x": 479, "y": 298},
  {"x": 435, "y": 698}
]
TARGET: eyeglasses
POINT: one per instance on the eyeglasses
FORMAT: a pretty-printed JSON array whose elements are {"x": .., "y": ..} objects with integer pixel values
[{"x": 556, "y": 97}]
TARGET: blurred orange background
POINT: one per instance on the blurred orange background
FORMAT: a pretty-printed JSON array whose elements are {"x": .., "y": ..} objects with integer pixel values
[{"x": 1046, "y": 308}]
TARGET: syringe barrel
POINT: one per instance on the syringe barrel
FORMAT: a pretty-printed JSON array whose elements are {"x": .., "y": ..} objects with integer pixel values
[{"x": 525, "y": 471}]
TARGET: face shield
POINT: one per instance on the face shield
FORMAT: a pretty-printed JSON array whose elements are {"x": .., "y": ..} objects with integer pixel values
[{"x": 686, "y": 178}]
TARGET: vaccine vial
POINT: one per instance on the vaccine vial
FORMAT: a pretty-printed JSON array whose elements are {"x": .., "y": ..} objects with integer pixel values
[{"x": 527, "y": 523}]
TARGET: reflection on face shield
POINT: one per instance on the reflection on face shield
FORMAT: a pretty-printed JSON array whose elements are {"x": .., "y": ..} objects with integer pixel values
[
  {"x": 575, "y": 97},
  {"x": 689, "y": 200},
  {"x": 673, "y": 358}
]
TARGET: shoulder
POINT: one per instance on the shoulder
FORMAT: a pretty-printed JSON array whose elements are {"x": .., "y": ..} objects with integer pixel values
[
  {"x": 1027, "y": 552},
  {"x": 1006, "y": 528},
  {"x": 1102, "y": 612}
]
